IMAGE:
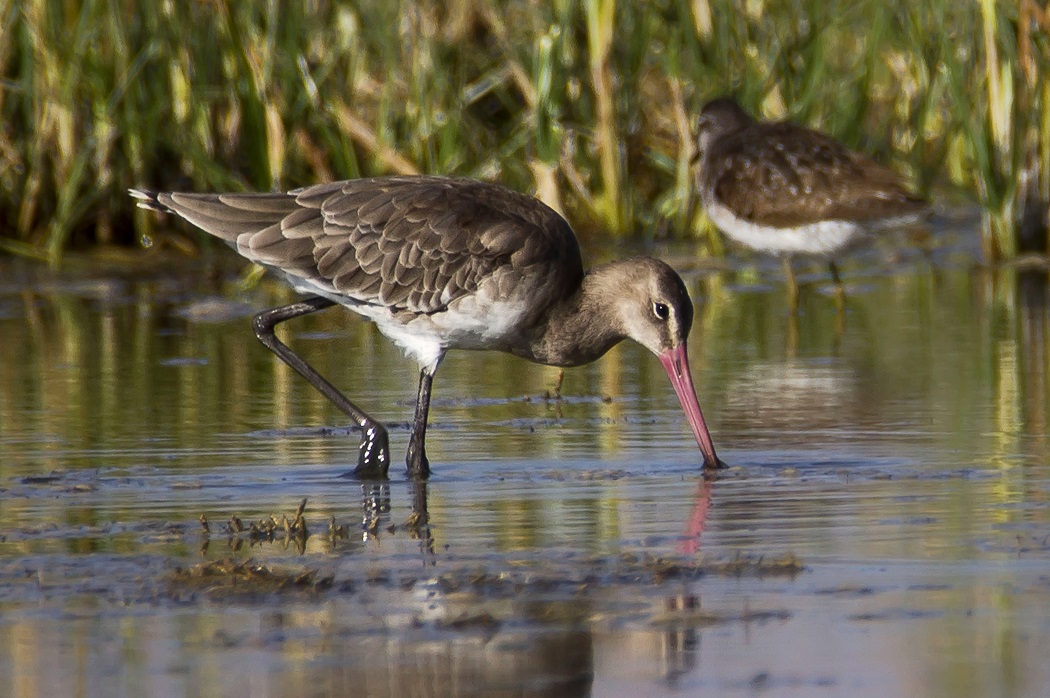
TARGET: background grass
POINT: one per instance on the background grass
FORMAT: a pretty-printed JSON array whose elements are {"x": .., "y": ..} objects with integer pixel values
[{"x": 589, "y": 104}]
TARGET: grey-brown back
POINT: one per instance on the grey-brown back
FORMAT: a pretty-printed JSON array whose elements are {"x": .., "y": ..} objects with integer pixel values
[{"x": 412, "y": 244}]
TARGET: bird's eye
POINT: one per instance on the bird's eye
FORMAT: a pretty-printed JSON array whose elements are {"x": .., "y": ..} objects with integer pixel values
[{"x": 661, "y": 310}]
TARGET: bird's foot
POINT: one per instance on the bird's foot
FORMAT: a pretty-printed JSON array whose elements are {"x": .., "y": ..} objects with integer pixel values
[
  {"x": 373, "y": 456},
  {"x": 418, "y": 464}
]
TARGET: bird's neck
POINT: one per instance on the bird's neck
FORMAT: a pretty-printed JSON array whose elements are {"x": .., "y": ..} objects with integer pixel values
[
  {"x": 704, "y": 144},
  {"x": 585, "y": 325},
  {"x": 707, "y": 143}
]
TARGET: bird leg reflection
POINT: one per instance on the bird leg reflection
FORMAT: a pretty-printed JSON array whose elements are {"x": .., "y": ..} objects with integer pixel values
[
  {"x": 375, "y": 506},
  {"x": 420, "y": 520}
]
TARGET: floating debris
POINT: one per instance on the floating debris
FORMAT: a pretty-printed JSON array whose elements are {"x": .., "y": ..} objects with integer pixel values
[
  {"x": 335, "y": 531},
  {"x": 48, "y": 479},
  {"x": 244, "y": 580},
  {"x": 483, "y": 621},
  {"x": 698, "y": 617},
  {"x": 664, "y": 568},
  {"x": 267, "y": 530},
  {"x": 415, "y": 524},
  {"x": 299, "y": 523}
]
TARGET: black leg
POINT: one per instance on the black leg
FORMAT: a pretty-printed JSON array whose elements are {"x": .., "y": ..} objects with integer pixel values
[
  {"x": 418, "y": 465},
  {"x": 792, "y": 284},
  {"x": 840, "y": 290},
  {"x": 373, "y": 458}
]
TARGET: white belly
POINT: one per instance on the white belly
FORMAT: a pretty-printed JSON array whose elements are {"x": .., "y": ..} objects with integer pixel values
[
  {"x": 823, "y": 238},
  {"x": 469, "y": 324},
  {"x": 478, "y": 320}
]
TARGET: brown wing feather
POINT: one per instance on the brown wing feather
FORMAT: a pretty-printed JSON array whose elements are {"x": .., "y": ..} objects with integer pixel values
[
  {"x": 414, "y": 244},
  {"x": 785, "y": 175}
]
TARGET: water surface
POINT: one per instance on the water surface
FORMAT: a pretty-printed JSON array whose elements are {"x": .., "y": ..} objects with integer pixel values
[{"x": 882, "y": 530}]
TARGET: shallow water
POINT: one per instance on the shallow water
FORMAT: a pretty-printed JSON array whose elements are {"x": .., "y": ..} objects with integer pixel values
[{"x": 882, "y": 530}]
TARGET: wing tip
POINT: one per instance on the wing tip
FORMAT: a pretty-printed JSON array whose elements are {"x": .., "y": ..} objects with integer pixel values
[{"x": 148, "y": 199}]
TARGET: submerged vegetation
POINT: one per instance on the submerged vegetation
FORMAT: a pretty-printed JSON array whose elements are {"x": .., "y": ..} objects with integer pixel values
[{"x": 588, "y": 103}]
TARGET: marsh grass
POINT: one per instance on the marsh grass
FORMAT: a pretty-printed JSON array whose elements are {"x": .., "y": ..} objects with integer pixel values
[{"x": 588, "y": 103}]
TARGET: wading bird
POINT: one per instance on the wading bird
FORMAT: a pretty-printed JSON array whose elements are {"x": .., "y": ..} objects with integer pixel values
[
  {"x": 442, "y": 263},
  {"x": 785, "y": 189}
]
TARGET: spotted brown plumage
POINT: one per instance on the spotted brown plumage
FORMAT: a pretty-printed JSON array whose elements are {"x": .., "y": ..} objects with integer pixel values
[
  {"x": 445, "y": 263},
  {"x": 785, "y": 189}
]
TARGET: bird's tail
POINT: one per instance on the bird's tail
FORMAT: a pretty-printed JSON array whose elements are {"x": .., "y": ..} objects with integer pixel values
[{"x": 149, "y": 200}]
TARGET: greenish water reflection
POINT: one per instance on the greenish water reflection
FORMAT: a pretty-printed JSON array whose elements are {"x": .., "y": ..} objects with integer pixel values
[{"x": 902, "y": 458}]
